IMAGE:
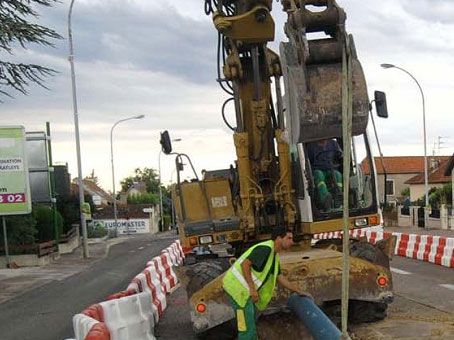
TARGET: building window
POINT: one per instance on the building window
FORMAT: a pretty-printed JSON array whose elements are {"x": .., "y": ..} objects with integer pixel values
[{"x": 389, "y": 187}]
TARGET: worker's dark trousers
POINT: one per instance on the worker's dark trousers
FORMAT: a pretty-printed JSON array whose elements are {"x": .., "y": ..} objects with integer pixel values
[{"x": 245, "y": 318}]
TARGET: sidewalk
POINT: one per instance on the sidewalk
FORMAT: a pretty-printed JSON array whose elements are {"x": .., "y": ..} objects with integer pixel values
[
  {"x": 421, "y": 231},
  {"x": 14, "y": 282}
]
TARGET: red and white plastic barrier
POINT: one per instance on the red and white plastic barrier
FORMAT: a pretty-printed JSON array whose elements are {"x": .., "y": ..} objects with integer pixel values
[
  {"x": 157, "y": 290},
  {"x": 130, "y": 318},
  {"x": 162, "y": 273},
  {"x": 434, "y": 249},
  {"x": 82, "y": 325},
  {"x": 133, "y": 313}
]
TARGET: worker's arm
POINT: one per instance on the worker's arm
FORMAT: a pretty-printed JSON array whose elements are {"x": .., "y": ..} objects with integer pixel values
[
  {"x": 246, "y": 267},
  {"x": 284, "y": 282}
]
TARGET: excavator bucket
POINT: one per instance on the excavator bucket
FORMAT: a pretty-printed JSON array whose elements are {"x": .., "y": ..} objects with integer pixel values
[
  {"x": 314, "y": 97},
  {"x": 313, "y": 75}
]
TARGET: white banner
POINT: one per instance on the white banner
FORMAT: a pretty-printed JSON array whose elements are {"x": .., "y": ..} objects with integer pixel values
[{"x": 131, "y": 226}]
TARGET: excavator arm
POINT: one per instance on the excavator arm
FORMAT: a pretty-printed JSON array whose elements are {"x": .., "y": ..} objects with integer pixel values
[{"x": 265, "y": 195}]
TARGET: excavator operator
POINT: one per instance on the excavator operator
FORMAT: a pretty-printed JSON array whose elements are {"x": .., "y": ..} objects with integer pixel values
[
  {"x": 251, "y": 280},
  {"x": 325, "y": 157}
]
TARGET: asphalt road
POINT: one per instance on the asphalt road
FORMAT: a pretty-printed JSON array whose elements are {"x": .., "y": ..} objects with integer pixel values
[
  {"x": 425, "y": 283},
  {"x": 45, "y": 313},
  {"x": 423, "y": 308}
]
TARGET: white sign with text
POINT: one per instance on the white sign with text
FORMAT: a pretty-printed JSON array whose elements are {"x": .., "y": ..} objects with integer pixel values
[{"x": 124, "y": 226}]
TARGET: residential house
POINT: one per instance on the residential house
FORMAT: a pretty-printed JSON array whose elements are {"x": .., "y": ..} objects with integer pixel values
[
  {"x": 137, "y": 188},
  {"x": 399, "y": 170},
  {"x": 436, "y": 178},
  {"x": 98, "y": 195}
]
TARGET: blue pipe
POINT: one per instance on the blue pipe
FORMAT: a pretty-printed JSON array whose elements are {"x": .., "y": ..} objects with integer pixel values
[{"x": 318, "y": 324}]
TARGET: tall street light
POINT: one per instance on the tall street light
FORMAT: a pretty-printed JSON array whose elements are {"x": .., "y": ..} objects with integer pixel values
[
  {"x": 160, "y": 184},
  {"x": 83, "y": 220},
  {"x": 113, "y": 168},
  {"x": 426, "y": 178}
]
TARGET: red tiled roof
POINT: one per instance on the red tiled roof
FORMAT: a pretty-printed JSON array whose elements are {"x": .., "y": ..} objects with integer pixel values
[
  {"x": 436, "y": 176},
  {"x": 401, "y": 164},
  {"x": 93, "y": 188}
]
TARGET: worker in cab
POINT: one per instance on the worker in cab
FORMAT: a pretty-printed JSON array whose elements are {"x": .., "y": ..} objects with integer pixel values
[
  {"x": 325, "y": 157},
  {"x": 251, "y": 280}
]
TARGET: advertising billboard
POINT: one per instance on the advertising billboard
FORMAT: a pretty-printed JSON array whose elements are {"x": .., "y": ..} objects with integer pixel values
[{"x": 14, "y": 181}]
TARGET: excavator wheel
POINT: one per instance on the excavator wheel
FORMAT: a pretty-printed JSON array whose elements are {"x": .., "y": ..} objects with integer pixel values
[
  {"x": 201, "y": 273},
  {"x": 364, "y": 250}
]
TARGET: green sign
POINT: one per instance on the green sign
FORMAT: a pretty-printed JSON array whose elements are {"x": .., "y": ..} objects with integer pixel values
[{"x": 14, "y": 182}]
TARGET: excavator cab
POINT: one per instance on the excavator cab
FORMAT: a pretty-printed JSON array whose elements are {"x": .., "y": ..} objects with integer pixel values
[{"x": 324, "y": 173}]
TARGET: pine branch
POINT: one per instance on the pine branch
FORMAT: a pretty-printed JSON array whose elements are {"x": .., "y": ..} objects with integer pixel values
[
  {"x": 19, "y": 76},
  {"x": 14, "y": 28}
]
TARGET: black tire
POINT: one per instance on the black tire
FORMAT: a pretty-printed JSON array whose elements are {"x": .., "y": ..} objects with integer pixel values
[
  {"x": 203, "y": 273},
  {"x": 364, "y": 250}
]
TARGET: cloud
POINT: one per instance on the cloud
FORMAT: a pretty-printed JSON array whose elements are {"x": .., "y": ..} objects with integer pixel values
[
  {"x": 158, "y": 58},
  {"x": 148, "y": 38},
  {"x": 431, "y": 11}
]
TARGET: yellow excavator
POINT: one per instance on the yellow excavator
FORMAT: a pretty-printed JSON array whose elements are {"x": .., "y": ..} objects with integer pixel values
[{"x": 289, "y": 147}]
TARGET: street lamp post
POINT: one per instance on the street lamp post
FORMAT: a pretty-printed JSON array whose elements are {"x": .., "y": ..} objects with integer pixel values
[
  {"x": 113, "y": 168},
  {"x": 426, "y": 178},
  {"x": 173, "y": 206},
  {"x": 160, "y": 184},
  {"x": 83, "y": 220}
]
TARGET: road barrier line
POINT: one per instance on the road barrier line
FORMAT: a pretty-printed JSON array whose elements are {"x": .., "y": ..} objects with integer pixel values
[
  {"x": 133, "y": 313},
  {"x": 433, "y": 249}
]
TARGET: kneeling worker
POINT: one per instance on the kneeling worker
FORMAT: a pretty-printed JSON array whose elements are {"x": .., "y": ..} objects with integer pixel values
[{"x": 252, "y": 278}]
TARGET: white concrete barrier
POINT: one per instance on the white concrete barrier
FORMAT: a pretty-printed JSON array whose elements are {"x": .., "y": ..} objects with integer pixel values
[
  {"x": 82, "y": 325},
  {"x": 130, "y": 318}
]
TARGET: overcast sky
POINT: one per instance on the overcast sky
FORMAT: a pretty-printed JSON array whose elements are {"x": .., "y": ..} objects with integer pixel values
[{"x": 158, "y": 58}]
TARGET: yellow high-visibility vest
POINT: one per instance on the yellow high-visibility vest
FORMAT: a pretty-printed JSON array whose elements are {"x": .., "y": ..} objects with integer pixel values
[{"x": 236, "y": 286}]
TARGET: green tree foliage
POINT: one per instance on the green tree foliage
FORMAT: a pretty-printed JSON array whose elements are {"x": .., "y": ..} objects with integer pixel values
[
  {"x": 405, "y": 192},
  {"x": 150, "y": 177},
  {"x": 21, "y": 230},
  {"x": 439, "y": 196},
  {"x": 147, "y": 198},
  {"x": 17, "y": 30},
  {"x": 96, "y": 232},
  {"x": 146, "y": 175},
  {"x": 45, "y": 223},
  {"x": 69, "y": 209}
]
